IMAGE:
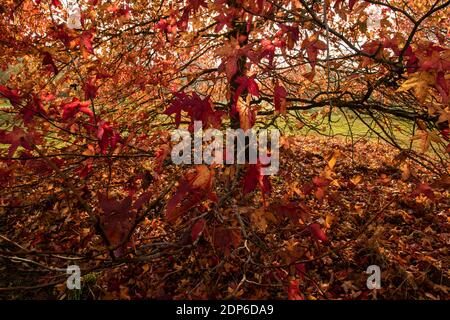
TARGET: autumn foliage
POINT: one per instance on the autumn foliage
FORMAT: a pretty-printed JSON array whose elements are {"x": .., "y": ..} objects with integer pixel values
[{"x": 89, "y": 102}]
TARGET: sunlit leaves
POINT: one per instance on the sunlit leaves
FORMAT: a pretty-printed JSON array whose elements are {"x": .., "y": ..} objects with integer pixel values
[
  {"x": 317, "y": 232},
  {"x": 72, "y": 108},
  {"x": 197, "y": 109},
  {"x": 193, "y": 188},
  {"x": 19, "y": 138},
  {"x": 420, "y": 83},
  {"x": 247, "y": 114},
  {"x": 280, "y": 94}
]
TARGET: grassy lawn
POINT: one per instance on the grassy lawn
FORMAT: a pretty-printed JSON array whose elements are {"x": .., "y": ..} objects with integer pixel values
[{"x": 349, "y": 127}]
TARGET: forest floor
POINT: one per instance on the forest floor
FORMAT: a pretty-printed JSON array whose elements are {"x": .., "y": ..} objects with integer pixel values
[{"x": 377, "y": 210}]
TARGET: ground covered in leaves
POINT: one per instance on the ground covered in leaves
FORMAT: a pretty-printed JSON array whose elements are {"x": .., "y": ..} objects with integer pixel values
[{"x": 334, "y": 210}]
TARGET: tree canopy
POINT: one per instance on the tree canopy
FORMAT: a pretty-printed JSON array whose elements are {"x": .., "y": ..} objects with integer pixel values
[{"x": 93, "y": 89}]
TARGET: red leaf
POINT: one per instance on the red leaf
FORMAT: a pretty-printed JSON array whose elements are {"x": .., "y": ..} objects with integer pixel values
[
  {"x": 321, "y": 182},
  {"x": 72, "y": 108},
  {"x": 143, "y": 199},
  {"x": 254, "y": 178},
  {"x": 313, "y": 45},
  {"x": 351, "y": 4},
  {"x": 193, "y": 188},
  {"x": 223, "y": 20},
  {"x": 86, "y": 42},
  {"x": 12, "y": 95},
  {"x": 90, "y": 89},
  {"x": 224, "y": 238},
  {"x": 294, "y": 291},
  {"x": 300, "y": 269},
  {"x": 425, "y": 189},
  {"x": 107, "y": 137},
  {"x": 280, "y": 99},
  {"x": 197, "y": 229},
  {"x": 18, "y": 137},
  {"x": 48, "y": 61},
  {"x": 248, "y": 84},
  {"x": 317, "y": 232},
  {"x": 117, "y": 221},
  {"x": 197, "y": 109}
]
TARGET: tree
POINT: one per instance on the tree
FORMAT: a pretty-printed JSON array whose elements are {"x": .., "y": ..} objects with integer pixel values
[{"x": 98, "y": 86}]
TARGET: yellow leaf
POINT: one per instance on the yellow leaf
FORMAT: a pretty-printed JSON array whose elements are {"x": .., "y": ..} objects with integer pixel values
[
  {"x": 203, "y": 177},
  {"x": 405, "y": 172},
  {"x": 426, "y": 138},
  {"x": 332, "y": 162},
  {"x": 246, "y": 114},
  {"x": 420, "y": 82},
  {"x": 329, "y": 221},
  {"x": 356, "y": 179},
  {"x": 258, "y": 219}
]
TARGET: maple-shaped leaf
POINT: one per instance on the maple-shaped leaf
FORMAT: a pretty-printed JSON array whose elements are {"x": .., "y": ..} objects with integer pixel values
[
  {"x": 49, "y": 62},
  {"x": 279, "y": 98},
  {"x": 178, "y": 105},
  {"x": 442, "y": 86},
  {"x": 318, "y": 186},
  {"x": 313, "y": 45},
  {"x": 34, "y": 107},
  {"x": 12, "y": 95},
  {"x": 86, "y": 43},
  {"x": 426, "y": 138},
  {"x": 294, "y": 291},
  {"x": 434, "y": 58},
  {"x": 107, "y": 137},
  {"x": 246, "y": 84},
  {"x": 230, "y": 53},
  {"x": 267, "y": 50},
  {"x": 18, "y": 137},
  {"x": 420, "y": 82},
  {"x": 193, "y": 188},
  {"x": 317, "y": 232},
  {"x": 197, "y": 109},
  {"x": 85, "y": 169},
  {"x": 293, "y": 34},
  {"x": 90, "y": 89},
  {"x": 117, "y": 220},
  {"x": 72, "y": 108},
  {"x": 225, "y": 238},
  {"x": 247, "y": 115},
  {"x": 253, "y": 178},
  {"x": 425, "y": 189},
  {"x": 293, "y": 211},
  {"x": 222, "y": 21},
  {"x": 412, "y": 63},
  {"x": 197, "y": 229}
]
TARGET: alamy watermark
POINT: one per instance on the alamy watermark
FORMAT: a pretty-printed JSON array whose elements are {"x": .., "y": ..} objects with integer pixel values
[
  {"x": 374, "y": 280},
  {"x": 251, "y": 146},
  {"x": 74, "y": 280}
]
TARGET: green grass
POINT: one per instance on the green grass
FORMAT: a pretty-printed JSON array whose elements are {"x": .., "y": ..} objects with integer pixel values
[{"x": 348, "y": 126}]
